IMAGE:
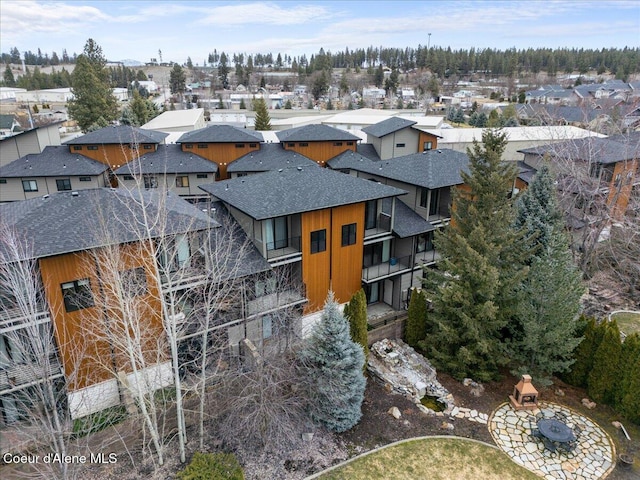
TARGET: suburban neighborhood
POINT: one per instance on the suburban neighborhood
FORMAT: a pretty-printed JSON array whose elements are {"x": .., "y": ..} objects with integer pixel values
[{"x": 276, "y": 273}]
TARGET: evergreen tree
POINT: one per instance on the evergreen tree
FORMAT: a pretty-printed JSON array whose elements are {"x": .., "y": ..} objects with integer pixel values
[
  {"x": 629, "y": 395},
  {"x": 243, "y": 106},
  {"x": 93, "y": 102},
  {"x": 544, "y": 331},
  {"x": 333, "y": 363},
  {"x": 416, "y": 328},
  {"x": 142, "y": 110},
  {"x": 474, "y": 299},
  {"x": 8, "y": 77},
  {"x": 287, "y": 105},
  {"x": 262, "y": 120},
  {"x": 356, "y": 313},
  {"x": 591, "y": 333},
  {"x": 223, "y": 70},
  {"x": 603, "y": 379},
  {"x": 177, "y": 80}
]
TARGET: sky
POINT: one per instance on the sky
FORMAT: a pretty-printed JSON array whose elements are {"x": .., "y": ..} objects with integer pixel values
[{"x": 137, "y": 30}]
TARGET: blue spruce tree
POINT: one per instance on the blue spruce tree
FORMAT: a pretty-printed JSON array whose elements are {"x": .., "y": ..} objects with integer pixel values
[{"x": 333, "y": 365}]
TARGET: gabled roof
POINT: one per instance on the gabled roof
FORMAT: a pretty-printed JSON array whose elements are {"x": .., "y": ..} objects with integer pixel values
[
  {"x": 600, "y": 150},
  {"x": 271, "y": 156},
  {"x": 167, "y": 159},
  {"x": 431, "y": 169},
  {"x": 315, "y": 133},
  {"x": 54, "y": 161},
  {"x": 407, "y": 223},
  {"x": 296, "y": 190},
  {"x": 367, "y": 150},
  {"x": 121, "y": 135},
  {"x": 68, "y": 222},
  {"x": 220, "y": 134},
  {"x": 6, "y": 121},
  {"x": 388, "y": 126}
]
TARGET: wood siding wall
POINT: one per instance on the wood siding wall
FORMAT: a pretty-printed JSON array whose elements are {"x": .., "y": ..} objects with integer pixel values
[
  {"x": 114, "y": 155},
  {"x": 320, "y": 152},
  {"x": 620, "y": 189},
  {"x": 221, "y": 154},
  {"x": 338, "y": 267},
  {"x": 83, "y": 336},
  {"x": 427, "y": 137}
]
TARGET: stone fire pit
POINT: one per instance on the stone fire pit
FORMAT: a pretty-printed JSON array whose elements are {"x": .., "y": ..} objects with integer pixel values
[{"x": 398, "y": 365}]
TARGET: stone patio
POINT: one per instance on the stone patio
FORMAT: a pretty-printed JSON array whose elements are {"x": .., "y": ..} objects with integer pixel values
[{"x": 592, "y": 458}]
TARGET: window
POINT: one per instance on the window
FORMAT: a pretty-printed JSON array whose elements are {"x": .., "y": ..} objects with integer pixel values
[
  {"x": 277, "y": 233},
  {"x": 203, "y": 145},
  {"x": 63, "y": 184},
  {"x": 202, "y": 175},
  {"x": 92, "y": 147},
  {"x": 30, "y": 185},
  {"x": 77, "y": 147},
  {"x": 376, "y": 253},
  {"x": 253, "y": 145},
  {"x": 318, "y": 241},
  {"x": 428, "y": 145},
  {"x": 304, "y": 144},
  {"x": 188, "y": 146},
  {"x": 337, "y": 144},
  {"x": 400, "y": 145},
  {"x": 182, "y": 181},
  {"x": 148, "y": 147},
  {"x": 424, "y": 197},
  {"x": 134, "y": 282},
  {"x": 240, "y": 145},
  {"x": 434, "y": 202},
  {"x": 370, "y": 214},
  {"x": 85, "y": 179},
  {"x": 348, "y": 234},
  {"x": 291, "y": 144},
  {"x": 77, "y": 295},
  {"x": 128, "y": 177},
  {"x": 150, "y": 181},
  {"x": 425, "y": 242},
  {"x": 267, "y": 327},
  {"x": 350, "y": 143},
  {"x": 3, "y": 180}
]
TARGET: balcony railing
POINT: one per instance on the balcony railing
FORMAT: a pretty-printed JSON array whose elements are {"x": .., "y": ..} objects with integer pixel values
[
  {"x": 20, "y": 375},
  {"x": 427, "y": 257},
  {"x": 284, "y": 247},
  {"x": 385, "y": 269},
  {"x": 383, "y": 225},
  {"x": 274, "y": 301}
]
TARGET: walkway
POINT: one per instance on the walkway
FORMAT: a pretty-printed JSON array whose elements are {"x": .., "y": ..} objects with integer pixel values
[{"x": 592, "y": 459}]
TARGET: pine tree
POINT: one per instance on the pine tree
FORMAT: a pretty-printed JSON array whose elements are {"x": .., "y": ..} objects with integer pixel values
[
  {"x": 177, "y": 80},
  {"x": 629, "y": 403},
  {"x": 592, "y": 334},
  {"x": 603, "y": 379},
  {"x": 93, "y": 101},
  {"x": 356, "y": 313},
  {"x": 544, "y": 331},
  {"x": 262, "y": 120},
  {"x": 9, "y": 79},
  {"x": 333, "y": 363},
  {"x": 416, "y": 328},
  {"x": 474, "y": 301}
]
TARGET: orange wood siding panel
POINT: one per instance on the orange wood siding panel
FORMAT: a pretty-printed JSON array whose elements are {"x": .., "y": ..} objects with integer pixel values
[
  {"x": 320, "y": 152},
  {"x": 113, "y": 155},
  {"x": 346, "y": 262},
  {"x": 620, "y": 191},
  {"x": 427, "y": 137},
  {"x": 315, "y": 267},
  {"x": 83, "y": 336},
  {"x": 221, "y": 154}
]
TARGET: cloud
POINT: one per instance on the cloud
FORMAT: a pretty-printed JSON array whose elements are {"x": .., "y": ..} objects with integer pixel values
[{"x": 263, "y": 14}]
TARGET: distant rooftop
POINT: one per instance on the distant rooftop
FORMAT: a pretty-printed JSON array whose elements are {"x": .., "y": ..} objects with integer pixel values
[
  {"x": 168, "y": 159},
  {"x": 271, "y": 156},
  {"x": 315, "y": 133},
  {"x": 122, "y": 134},
  {"x": 220, "y": 134},
  {"x": 52, "y": 162}
]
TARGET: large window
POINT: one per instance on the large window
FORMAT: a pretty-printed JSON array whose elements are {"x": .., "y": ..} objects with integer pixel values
[
  {"x": 77, "y": 295},
  {"x": 370, "y": 214},
  {"x": 427, "y": 146},
  {"x": 150, "y": 181},
  {"x": 348, "y": 234},
  {"x": 425, "y": 242},
  {"x": 424, "y": 197},
  {"x": 277, "y": 234},
  {"x": 434, "y": 202},
  {"x": 318, "y": 241},
  {"x": 63, "y": 184},
  {"x": 376, "y": 253},
  {"x": 30, "y": 185}
]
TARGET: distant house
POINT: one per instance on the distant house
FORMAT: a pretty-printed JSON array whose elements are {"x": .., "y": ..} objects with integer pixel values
[
  {"x": 396, "y": 137},
  {"x": 9, "y": 126},
  {"x": 177, "y": 121},
  {"x": 30, "y": 141}
]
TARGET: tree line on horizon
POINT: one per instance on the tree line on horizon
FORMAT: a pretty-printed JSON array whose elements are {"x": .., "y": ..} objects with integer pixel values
[{"x": 442, "y": 61}]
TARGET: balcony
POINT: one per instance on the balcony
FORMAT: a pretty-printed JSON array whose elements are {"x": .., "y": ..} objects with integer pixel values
[
  {"x": 21, "y": 375},
  {"x": 287, "y": 247},
  {"x": 274, "y": 301},
  {"x": 427, "y": 257},
  {"x": 382, "y": 227},
  {"x": 386, "y": 269}
]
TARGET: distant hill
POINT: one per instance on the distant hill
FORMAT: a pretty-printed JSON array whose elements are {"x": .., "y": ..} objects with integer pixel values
[{"x": 131, "y": 63}]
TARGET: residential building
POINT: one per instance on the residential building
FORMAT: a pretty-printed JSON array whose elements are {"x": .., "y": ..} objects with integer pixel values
[
  {"x": 317, "y": 142},
  {"x": 271, "y": 156},
  {"x": 177, "y": 121},
  {"x": 9, "y": 126},
  {"x": 30, "y": 141},
  {"x": 395, "y": 137}
]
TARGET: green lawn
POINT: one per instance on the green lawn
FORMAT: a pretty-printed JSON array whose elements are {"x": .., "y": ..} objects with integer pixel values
[
  {"x": 628, "y": 323},
  {"x": 433, "y": 459}
]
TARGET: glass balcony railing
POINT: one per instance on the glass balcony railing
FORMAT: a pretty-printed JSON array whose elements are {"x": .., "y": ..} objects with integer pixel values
[{"x": 385, "y": 269}]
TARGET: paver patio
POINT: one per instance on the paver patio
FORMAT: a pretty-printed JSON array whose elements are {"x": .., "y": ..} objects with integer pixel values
[{"x": 592, "y": 458}]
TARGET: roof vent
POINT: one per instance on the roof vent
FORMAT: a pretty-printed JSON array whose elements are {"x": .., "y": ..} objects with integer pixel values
[
  {"x": 44, "y": 197},
  {"x": 299, "y": 168},
  {"x": 439, "y": 151},
  {"x": 279, "y": 170},
  {"x": 64, "y": 165},
  {"x": 226, "y": 187},
  {"x": 74, "y": 194}
]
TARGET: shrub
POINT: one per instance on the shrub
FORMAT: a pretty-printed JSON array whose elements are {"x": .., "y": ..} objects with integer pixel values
[{"x": 212, "y": 466}]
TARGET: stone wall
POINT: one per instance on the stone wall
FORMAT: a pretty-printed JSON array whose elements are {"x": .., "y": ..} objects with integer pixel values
[{"x": 392, "y": 330}]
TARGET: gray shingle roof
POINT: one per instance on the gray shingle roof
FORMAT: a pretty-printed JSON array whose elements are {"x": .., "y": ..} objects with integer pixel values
[
  {"x": 407, "y": 223},
  {"x": 315, "y": 133},
  {"x": 271, "y": 156},
  {"x": 368, "y": 150},
  {"x": 388, "y": 126},
  {"x": 54, "y": 161},
  {"x": 168, "y": 159},
  {"x": 221, "y": 134},
  {"x": 296, "y": 190},
  {"x": 122, "y": 134},
  {"x": 601, "y": 150},
  {"x": 430, "y": 169},
  {"x": 526, "y": 173},
  {"x": 67, "y": 222}
]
